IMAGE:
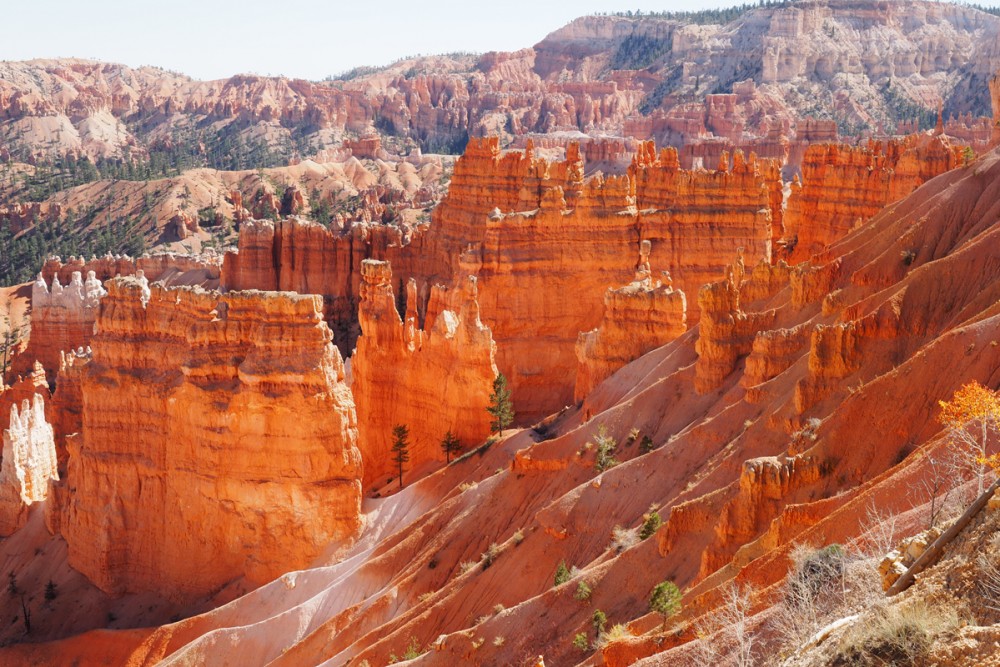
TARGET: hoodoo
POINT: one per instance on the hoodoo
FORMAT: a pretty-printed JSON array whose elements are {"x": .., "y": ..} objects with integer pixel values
[{"x": 210, "y": 422}]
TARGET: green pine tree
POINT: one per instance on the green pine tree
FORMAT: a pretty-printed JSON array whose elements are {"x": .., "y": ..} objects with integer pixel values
[
  {"x": 449, "y": 445},
  {"x": 501, "y": 406},
  {"x": 665, "y": 600},
  {"x": 400, "y": 448}
]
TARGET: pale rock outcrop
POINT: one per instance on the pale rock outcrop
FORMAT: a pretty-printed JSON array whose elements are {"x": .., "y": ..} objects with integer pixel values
[
  {"x": 218, "y": 441},
  {"x": 895, "y": 563},
  {"x": 62, "y": 318},
  {"x": 29, "y": 462},
  {"x": 638, "y": 317},
  {"x": 431, "y": 378}
]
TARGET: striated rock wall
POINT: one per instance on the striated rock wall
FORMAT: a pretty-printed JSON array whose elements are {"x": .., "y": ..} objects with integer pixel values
[
  {"x": 61, "y": 319},
  {"x": 701, "y": 218},
  {"x": 29, "y": 462},
  {"x": 432, "y": 379},
  {"x": 638, "y": 317},
  {"x": 547, "y": 234},
  {"x": 726, "y": 333},
  {"x": 844, "y": 186},
  {"x": 218, "y": 441},
  {"x": 533, "y": 231},
  {"x": 65, "y": 409},
  {"x": 306, "y": 257}
]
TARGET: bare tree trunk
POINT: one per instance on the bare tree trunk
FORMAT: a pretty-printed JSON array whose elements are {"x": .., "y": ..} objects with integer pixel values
[{"x": 933, "y": 552}]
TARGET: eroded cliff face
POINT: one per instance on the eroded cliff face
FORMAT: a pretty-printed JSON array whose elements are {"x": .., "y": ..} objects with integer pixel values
[
  {"x": 29, "y": 462},
  {"x": 431, "y": 379},
  {"x": 219, "y": 440},
  {"x": 842, "y": 187},
  {"x": 61, "y": 319},
  {"x": 532, "y": 231},
  {"x": 638, "y": 317}
]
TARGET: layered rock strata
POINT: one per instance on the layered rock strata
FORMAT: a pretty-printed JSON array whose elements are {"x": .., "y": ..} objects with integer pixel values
[
  {"x": 218, "y": 441},
  {"x": 432, "y": 379},
  {"x": 29, "y": 462},
  {"x": 726, "y": 331},
  {"x": 532, "y": 231},
  {"x": 638, "y": 317},
  {"x": 843, "y": 186},
  {"x": 61, "y": 319}
]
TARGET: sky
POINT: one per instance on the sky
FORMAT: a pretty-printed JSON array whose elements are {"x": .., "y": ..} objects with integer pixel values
[{"x": 310, "y": 39}]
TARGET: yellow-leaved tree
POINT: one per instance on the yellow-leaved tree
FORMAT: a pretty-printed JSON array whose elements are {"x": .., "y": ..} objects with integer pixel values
[{"x": 972, "y": 418}]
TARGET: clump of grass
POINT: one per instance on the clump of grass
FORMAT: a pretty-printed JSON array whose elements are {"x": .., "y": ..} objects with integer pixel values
[
  {"x": 894, "y": 635},
  {"x": 606, "y": 445},
  {"x": 490, "y": 555}
]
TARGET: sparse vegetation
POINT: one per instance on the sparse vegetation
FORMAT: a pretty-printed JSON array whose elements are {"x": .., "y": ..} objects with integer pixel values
[
  {"x": 562, "y": 574},
  {"x": 449, "y": 445},
  {"x": 581, "y": 642},
  {"x": 651, "y": 523},
  {"x": 412, "y": 650},
  {"x": 638, "y": 51},
  {"x": 490, "y": 555},
  {"x": 501, "y": 406},
  {"x": 400, "y": 449},
  {"x": 893, "y": 635},
  {"x": 600, "y": 621},
  {"x": 665, "y": 600},
  {"x": 824, "y": 585},
  {"x": 51, "y": 592},
  {"x": 972, "y": 418},
  {"x": 606, "y": 446},
  {"x": 624, "y": 538},
  {"x": 583, "y": 591},
  {"x": 646, "y": 445}
]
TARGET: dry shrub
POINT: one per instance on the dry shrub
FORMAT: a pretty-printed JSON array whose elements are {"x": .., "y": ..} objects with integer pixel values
[
  {"x": 893, "y": 635},
  {"x": 824, "y": 585},
  {"x": 624, "y": 538}
]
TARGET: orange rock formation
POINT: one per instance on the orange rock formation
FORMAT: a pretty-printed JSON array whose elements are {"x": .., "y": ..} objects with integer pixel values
[
  {"x": 61, "y": 319},
  {"x": 218, "y": 441},
  {"x": 843, "y": 186},
  {"x": 433, "y": 379},
  {"x": 532, "y": 231},
  {"x": 638, "y": 317}
]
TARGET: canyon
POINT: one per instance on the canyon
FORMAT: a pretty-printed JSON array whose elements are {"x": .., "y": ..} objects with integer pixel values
[{"x": 727, "y": 325}]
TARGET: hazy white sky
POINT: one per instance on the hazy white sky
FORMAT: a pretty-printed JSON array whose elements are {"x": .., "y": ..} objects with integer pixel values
[{"x": 310, "y": 39}]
